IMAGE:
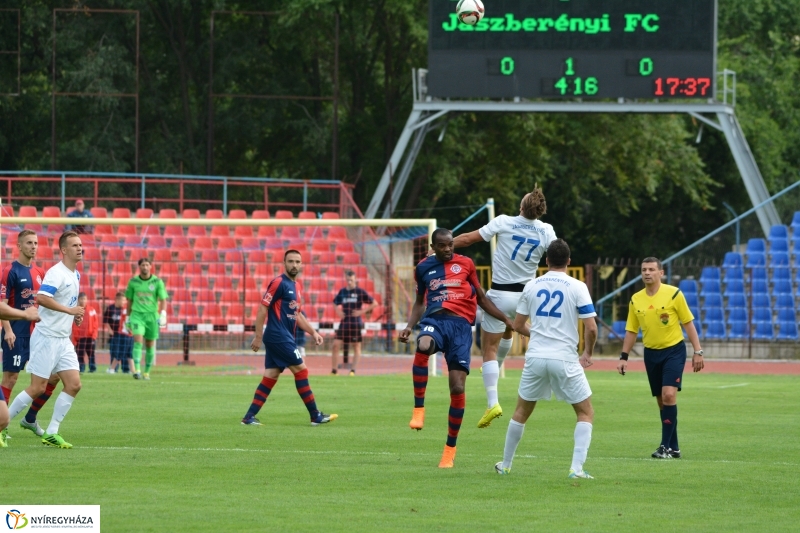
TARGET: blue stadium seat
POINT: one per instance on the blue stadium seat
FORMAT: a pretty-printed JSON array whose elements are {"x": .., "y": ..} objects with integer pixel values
[
  {"x": 713, "y": 314},
  {"x": 787, "y": 315},
  {"x": 756, "y": 245},
  {"x": 734, "y": 287},
  {"x": 758, "y": 273},
  {"x": 733, "y": 274},
  {"x": 796, "y": 245},
  {"x": 762, "y": 314},
  {"x": 779, "y": 259},
  {"x": 787, "y": 331},
  {"x": 710, "y": 287},
  {"x": 778, "y": 245},
  {"x": 784, "y": 301},
  {"x": 737, "y": 300},
  {"x": 691, "y": 299},
  {"x": 797, "y": 278},
  {"x": 761, "y": 299},
  {"x": 756, "y": 259},
  {"x": 737, "y": 314},
  {"x": 782, "y": 274},
  {"x": 738, "y": 330},
  {"x": 778, "y": 231},
  {"x": 794, "y": 234},
  {"x": 715, "y": 331},
  {"x": 713, "y": 300},
  {"x": 759, "y": 286},
  {"x": 796, "y": 220},
  {"x": 696, "y": 313},
  {"x": 709, "y": 274},
  {"x": 619, "y": 328},
  {"x": 782, "y": 286},
  {"x": 764, "y": 331},
  {"x": 688, "y": 286},
  {"x": 732, "y": 259}
]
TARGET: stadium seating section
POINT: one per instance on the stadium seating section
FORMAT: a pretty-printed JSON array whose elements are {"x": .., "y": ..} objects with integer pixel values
[{"x": 213, "y": 274}]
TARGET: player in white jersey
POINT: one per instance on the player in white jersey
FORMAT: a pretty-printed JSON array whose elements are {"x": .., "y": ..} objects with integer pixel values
[
  {"x": 52, "y": 351},
  {"x": 554, "y": 303},
  {"x": 521, "y": 243}
]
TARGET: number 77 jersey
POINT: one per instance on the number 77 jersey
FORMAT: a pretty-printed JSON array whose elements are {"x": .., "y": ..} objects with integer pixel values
[
  {"x": 521, "y": 244},
  {"x": 554, "y": 302}
]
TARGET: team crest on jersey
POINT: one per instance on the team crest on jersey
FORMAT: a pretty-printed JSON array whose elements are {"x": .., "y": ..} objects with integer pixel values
[
  {"x": 664, "y": 318},
  {"x": 151, "y": 287},
  {"x": 293, "y": 304},
  {"x": 268, "y": 298},
  {"x": 455, "y": 269},
  {"x": 39, "y": 280}
]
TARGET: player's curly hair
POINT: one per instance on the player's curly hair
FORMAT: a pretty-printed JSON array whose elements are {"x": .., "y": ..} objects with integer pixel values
[{"x": 534, "y": 204}]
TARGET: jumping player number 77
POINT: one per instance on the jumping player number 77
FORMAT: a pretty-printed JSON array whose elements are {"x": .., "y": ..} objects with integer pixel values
[
  {"x": 448, "y": 293},
  {"x": 521, "y": 243}
]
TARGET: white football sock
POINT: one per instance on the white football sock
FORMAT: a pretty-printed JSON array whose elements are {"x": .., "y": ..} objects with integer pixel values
[
  {"x": 19, "y": 404},
  {"x": 502, "y": 350},
  {"x": 583, "y": 437},
  {"x": 513, "y": 436},
  {"x": 491, "y": 373},
  {"x": 63, "y": 403}
]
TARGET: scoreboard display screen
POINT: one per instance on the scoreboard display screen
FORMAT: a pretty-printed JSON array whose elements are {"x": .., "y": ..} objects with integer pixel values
[{"x": 574, "y": 49}]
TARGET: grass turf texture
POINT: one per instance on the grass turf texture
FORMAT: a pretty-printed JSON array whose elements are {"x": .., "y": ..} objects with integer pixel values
[{"x": 170, "y": 455}]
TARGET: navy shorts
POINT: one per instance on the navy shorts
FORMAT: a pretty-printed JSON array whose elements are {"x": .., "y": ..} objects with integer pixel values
[
  {"x": 14, "y": 359},
  {"x": 665, "y": 367},
  {"x": 281, "y": 355},
  {"x": 349, "y": 331},
  {"x": 453, "y": 336},
  {"x": 121, "y": 346}
]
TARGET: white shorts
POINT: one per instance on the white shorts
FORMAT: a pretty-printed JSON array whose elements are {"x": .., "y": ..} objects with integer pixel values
[
  {"x": 51, "y": 355},
  {"x": 505, "y": 301},
  {"x": 543, "y": 377}
]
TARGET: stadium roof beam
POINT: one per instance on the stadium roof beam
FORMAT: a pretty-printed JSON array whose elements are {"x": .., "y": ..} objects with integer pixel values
[{"x": 426, "y": 110}]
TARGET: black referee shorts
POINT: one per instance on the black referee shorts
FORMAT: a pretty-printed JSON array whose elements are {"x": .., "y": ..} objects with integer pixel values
[{"x": 665, "y": 367}]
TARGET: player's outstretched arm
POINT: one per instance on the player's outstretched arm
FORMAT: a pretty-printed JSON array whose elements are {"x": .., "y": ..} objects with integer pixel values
[
  {"x": 467, "y": 239},
  {"x": 306, "y": 326},
  {"x": 521, "y": 325},
  {"x": 49, "y": 302},
  {"x": 627, "y": 345},
  {"x": 416, "y": 312},
  {"x": 9, "y": 313},
  {"x": 261, "y": 318},
  {"x": 488, "y": 306},
  {"x": 589, "y": 339}
]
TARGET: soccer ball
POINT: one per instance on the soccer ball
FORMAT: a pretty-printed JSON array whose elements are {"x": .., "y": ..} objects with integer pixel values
[{"x": 470, "y": 11}]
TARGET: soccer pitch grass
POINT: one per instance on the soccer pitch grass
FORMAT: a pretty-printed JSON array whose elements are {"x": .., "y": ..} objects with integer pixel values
[{"x": 171, "y": 455}]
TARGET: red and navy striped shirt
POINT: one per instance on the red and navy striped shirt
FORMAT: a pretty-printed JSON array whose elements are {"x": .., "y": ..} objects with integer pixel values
[
  {"x": 450, "y": 285},
  {"x": 283, "y": 301},
  {"x": 19, "y": 285}
]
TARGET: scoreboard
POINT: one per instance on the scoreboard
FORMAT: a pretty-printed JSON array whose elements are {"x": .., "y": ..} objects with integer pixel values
[{"x": 574, "y": 49}]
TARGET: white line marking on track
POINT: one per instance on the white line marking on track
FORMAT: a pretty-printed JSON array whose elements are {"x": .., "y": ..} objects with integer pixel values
[{"x": 732, "y": 386}]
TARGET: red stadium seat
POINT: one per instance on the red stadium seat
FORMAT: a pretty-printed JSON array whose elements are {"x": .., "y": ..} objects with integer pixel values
[
  {"x": 226, "y": 243},
  {"x": 186, "y": 312},
  {"x": 239, "y": 270},
  {"x": 208, "y": 256},
  {"x": 350, "y": 258},
  {"x": 133, "y": 240},
  {"x": 237, "y": 214},
  {"x": 233, "y": 256},
  {"x": 38, "y": 228},
  {"x": 265, "y": 271},
  {"x": 223, "y": 283},
  {"x": 127, "y": 230},
  {"x": 323, "y": 258},
  {"x": 8, "y": 211},
  {"x": 197, "y": 231},
  {"x": 235, "y": 314},
  {"x": 312, "y": 233},
  {"x": 307, "y": 215},
  {"x": 217, "y": 270},
  {"x": 167, "y": 213},
  {"x": 368, "y": 285},
  {"x": 377, "y": 314},
  {"x": 344, "y": 247},
  {"x": 205, "y": 295},
  {"x": 229, "y": 297},
  {"x": 163, "y": 255},
  {"x": 328, "y": 313},
  {"x": 45, "y": 253},
  {"x": 197, "y": 282},
  {"x": 259, "y": 214},
  {"x": 156, "y": 241},
  {"x": 248, "y": 285},
  {"x": 220, "y": 231},
  {"x": 243, "y": 232},
  {"x": 301, "y": 245},
  {"x": 167, "y": 268},
  {"x": 337, "y": 233},
  {"x": 320, "y": 245},
  {"x": 99, "y": 212},
  {"x": 190, "y": 213},
  {"x": 109, "y": 293},
  {"x": 251, "y": 243},
  {"x": 144, "y": 212},
  {"x": 283, "y": 214},
  {"x": 51, "y": 211},
  {"x": 90, "y": 253},
  {"x": 179, "y": 295},
  {"x": 215, "y": 214},
  {"x": 28, "y": 211},
  {"x": 180, "y": 243},
  {"x": 330, "y": 214},
  {"x": 121, "y": 212},
  {"x": 186, "y": 255},
  {"x": 204, "y": 243},
  {"x": 103, "y": 229},
  {"x": 211, "y": 313},
  {"x": 319, "y": 284},
  {"x": 290, "y": 232},
  {"x": 173, "y": 231},
  {"x": 266, "y": 231},
  {"x": 149, "y": 231},
  {"x": 257, "y": 256}
]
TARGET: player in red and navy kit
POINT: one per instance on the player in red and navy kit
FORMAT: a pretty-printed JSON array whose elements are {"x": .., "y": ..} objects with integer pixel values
[
  {"x": 448, "y": 293},
  {"x": 280, "y": 307}
]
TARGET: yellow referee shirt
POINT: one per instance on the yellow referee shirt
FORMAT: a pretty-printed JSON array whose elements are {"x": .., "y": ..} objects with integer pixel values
[{"x": 659, "y": 316}]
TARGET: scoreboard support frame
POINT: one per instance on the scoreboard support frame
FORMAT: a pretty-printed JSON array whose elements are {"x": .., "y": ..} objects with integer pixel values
[{"x": 426, "y": 112}]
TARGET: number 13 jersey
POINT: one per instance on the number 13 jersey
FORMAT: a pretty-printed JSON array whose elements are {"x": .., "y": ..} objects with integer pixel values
[
  {"x": 521, "y": 244},
  {"x": 555, "y": 302}
]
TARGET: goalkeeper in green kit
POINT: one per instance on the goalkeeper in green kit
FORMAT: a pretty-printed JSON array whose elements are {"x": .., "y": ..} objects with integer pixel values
[{"x": 146, "y": 314}]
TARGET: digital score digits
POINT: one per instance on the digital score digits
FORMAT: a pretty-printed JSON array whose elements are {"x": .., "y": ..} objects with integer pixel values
[{"x": 575, "y": 49}]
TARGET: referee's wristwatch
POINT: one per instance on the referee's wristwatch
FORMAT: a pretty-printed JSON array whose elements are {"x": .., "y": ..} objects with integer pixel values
[{"x": 699, "y": 352}]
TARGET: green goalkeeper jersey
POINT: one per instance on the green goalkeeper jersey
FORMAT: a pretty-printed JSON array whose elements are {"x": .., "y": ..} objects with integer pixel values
[{"x": 144, "y": 295}]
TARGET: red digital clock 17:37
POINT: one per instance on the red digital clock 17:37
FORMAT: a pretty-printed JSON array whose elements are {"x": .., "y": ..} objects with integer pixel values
[{"x": 682, "y": 86}]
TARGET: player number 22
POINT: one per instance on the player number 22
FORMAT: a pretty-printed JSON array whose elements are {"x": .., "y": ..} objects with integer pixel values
[
  {"x": 557, "y": 295},
  {"x": 521, "y": 241}
]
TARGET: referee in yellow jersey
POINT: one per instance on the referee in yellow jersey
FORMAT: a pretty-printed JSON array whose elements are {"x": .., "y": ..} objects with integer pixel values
[{"x": 660, "y": 310}]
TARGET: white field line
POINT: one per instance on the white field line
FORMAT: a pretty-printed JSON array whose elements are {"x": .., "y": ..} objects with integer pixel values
[{"x": 732, "y": 386}]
